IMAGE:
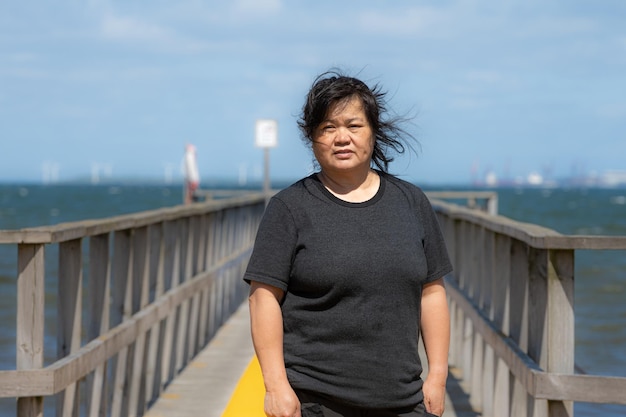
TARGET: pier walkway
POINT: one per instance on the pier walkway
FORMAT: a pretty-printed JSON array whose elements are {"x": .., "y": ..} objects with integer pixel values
[
  {"x": 224, "y": 380},
  {"x": 150, "y": 319}
]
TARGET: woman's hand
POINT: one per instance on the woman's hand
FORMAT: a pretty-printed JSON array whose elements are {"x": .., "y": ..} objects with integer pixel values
[
  {"x": 282, "y": 403},
  {"x": 434, "y": 391},
  {"x": 267, "y": 335},
  {"x": 435, "y": 327}
]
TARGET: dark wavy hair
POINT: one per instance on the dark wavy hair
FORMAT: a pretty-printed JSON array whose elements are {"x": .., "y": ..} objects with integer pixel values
[{"x": 332, "y": 87}]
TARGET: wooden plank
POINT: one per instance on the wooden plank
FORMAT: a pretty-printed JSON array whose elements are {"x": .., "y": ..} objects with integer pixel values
[
  {"x": 153, "y": 360},
  {"x": 140, "y": 297},
  {"x": 122, "y": 310},
  {"x": 531, "y": 234},
  {"x": 582, "y": 388},
  {"x": 29, "y": 337},
  {"x": 75, "y": 366},
  {"x": 183, "y": 313},
  {"x": 498, "y": 404},
  {"x": 194, "y": 259},
  {"x": 520, "y": 365},
  {"x": 560, "y": 341},
  {"x": 518, "y": 309},
  {"x": 76, "y": 230},
  {"x": 536, "y": 382},
  {"x": 69, "y": 316},
  {"x": 477, "y": 376},
  {"x": 172, "y": 262},
  {"x": 99, "y": 288},
  {"x": 204, "y": 249}
]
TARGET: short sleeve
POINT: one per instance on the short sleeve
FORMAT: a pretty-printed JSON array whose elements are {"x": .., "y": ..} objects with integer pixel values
[
  {"x": 274, "y": 246},
  {"x": 434, "y": 245}
]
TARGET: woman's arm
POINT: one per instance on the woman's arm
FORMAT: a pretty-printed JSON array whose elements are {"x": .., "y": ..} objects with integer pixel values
[
  {"x": 267, "y": 336},
  {"x": 435, "y": 328}
]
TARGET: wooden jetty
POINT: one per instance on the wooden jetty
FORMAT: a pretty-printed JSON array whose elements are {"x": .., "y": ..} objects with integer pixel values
[{"x": 144, "y": 300}]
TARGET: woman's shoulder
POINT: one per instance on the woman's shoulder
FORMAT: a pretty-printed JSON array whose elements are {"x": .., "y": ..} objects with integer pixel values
[
  {"x": 295, "y": 192},
  {"x": 410, "y": 189}
]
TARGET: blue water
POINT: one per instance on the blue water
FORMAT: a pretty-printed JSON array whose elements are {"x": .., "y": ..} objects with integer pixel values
[{"x": 600, "y": 275}]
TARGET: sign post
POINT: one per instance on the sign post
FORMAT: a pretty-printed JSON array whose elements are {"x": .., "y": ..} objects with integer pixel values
[{"x": 266, "y": 137}]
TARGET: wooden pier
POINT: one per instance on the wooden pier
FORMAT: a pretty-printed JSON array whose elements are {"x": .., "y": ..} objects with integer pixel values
[{"x": 151, "y": 319}]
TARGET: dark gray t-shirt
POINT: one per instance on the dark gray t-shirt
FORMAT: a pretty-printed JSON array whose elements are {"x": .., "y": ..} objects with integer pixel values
[{"x": 352, "y": 275}]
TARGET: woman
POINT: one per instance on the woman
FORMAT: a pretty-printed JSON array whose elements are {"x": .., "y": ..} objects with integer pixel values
[{"x": 347, "y": 271}]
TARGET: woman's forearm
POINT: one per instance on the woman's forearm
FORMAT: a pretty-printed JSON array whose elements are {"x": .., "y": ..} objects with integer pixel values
[
  {"x": 267, "y": 334},
  {"x": 435, "y": 327}
]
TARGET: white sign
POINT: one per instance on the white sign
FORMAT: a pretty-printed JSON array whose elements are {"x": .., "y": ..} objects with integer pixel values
[{"x": 266, "y": 133}]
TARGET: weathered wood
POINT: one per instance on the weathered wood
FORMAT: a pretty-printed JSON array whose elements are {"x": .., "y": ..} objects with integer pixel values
[
  {"x": 204, "y": 295},
  {"x": 172, "y": 259},
  {"x": 194, "y": 258},
  {"x": 511, "y": 285},
  {"x": 99, "y": 288},
  {"x": 131, "y": 282},
  {"x": 561, "y": 343},
  {"x": 30, "y": 321},
  {"x": 157, "y": 259},
  {"x": 122, "y": 310},
  {"x": 75, "y": 366},
  {"x": 531, "y": 234},
  {"x": 537, "y": 382},
  {"x": 183, "y": 313},
  {"x": 76, "y": 230},
  {"x": 140, "y": 297},
  {"x": 69, "y": 313}
]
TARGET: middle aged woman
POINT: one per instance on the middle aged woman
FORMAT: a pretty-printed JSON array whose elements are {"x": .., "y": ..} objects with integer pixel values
[{"x": 347, "y": 271}]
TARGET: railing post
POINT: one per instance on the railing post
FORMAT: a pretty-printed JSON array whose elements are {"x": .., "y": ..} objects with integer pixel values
[
  {"x": 99, "y": 311},
  {"x": 153, "y": 362},
  {"x": 30, "y": 320},
  {"x": 494, "y": 404},
  {"x": 171, "y": 266},
  {"x": 69, "y": 307},
  {"x": 140, "y": 298},
  {"x": 121, "y": 290},
  {"x": 492, "y": 204},
  {"x": 561, "y": 344},
  {"x": 538, "y": 318}
]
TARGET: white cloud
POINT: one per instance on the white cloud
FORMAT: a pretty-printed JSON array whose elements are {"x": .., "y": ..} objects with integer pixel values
[
  {"x": 256, "y": 7},
  {"x": 557, "y": 26},
  {"x": 485, "y": 76},
  {"x": 426, "y": 21},
  {"x": 467, "y": 103},
  {"x": 615, "y": 111},
  {"x": 492, "y": 78},
  {"x": 127, "y": 28},
  {"x": 22, "y": 57}
]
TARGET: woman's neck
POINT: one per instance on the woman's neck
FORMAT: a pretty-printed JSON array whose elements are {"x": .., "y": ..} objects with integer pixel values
[{"x": 352, "y": 188}]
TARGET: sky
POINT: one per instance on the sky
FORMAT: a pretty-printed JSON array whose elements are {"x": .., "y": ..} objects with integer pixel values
[{"x": 116, "y": 88}]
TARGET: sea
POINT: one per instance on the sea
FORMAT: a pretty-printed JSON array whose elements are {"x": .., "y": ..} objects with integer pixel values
[{"x": 600, "y": 288}]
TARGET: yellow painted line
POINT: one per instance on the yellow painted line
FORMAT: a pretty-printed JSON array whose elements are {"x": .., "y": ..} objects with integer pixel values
[{"x": 247, "y": 400}]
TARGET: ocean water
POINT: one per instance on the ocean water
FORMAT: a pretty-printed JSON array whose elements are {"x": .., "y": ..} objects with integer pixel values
[{"x": 600, "y": 275}]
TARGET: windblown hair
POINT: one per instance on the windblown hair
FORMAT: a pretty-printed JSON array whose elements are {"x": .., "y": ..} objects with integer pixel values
[{"x": 332, "y": 88}]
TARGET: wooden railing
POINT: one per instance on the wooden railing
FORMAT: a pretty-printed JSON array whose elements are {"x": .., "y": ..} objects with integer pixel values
[
  {"x": 137, "y": 297},
  {"x": 512, "y": 310},
  {"x": 482, "y": 200}
]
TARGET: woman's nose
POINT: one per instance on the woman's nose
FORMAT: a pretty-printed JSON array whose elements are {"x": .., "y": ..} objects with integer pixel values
[{"x": 342, "y": 136}]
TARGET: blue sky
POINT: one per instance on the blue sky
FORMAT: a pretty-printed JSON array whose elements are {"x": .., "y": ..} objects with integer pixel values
[{"x": 120, "y": 87}]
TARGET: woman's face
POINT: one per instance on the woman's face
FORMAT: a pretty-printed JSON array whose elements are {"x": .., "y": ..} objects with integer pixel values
[{"x": 344, "y": 142}]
